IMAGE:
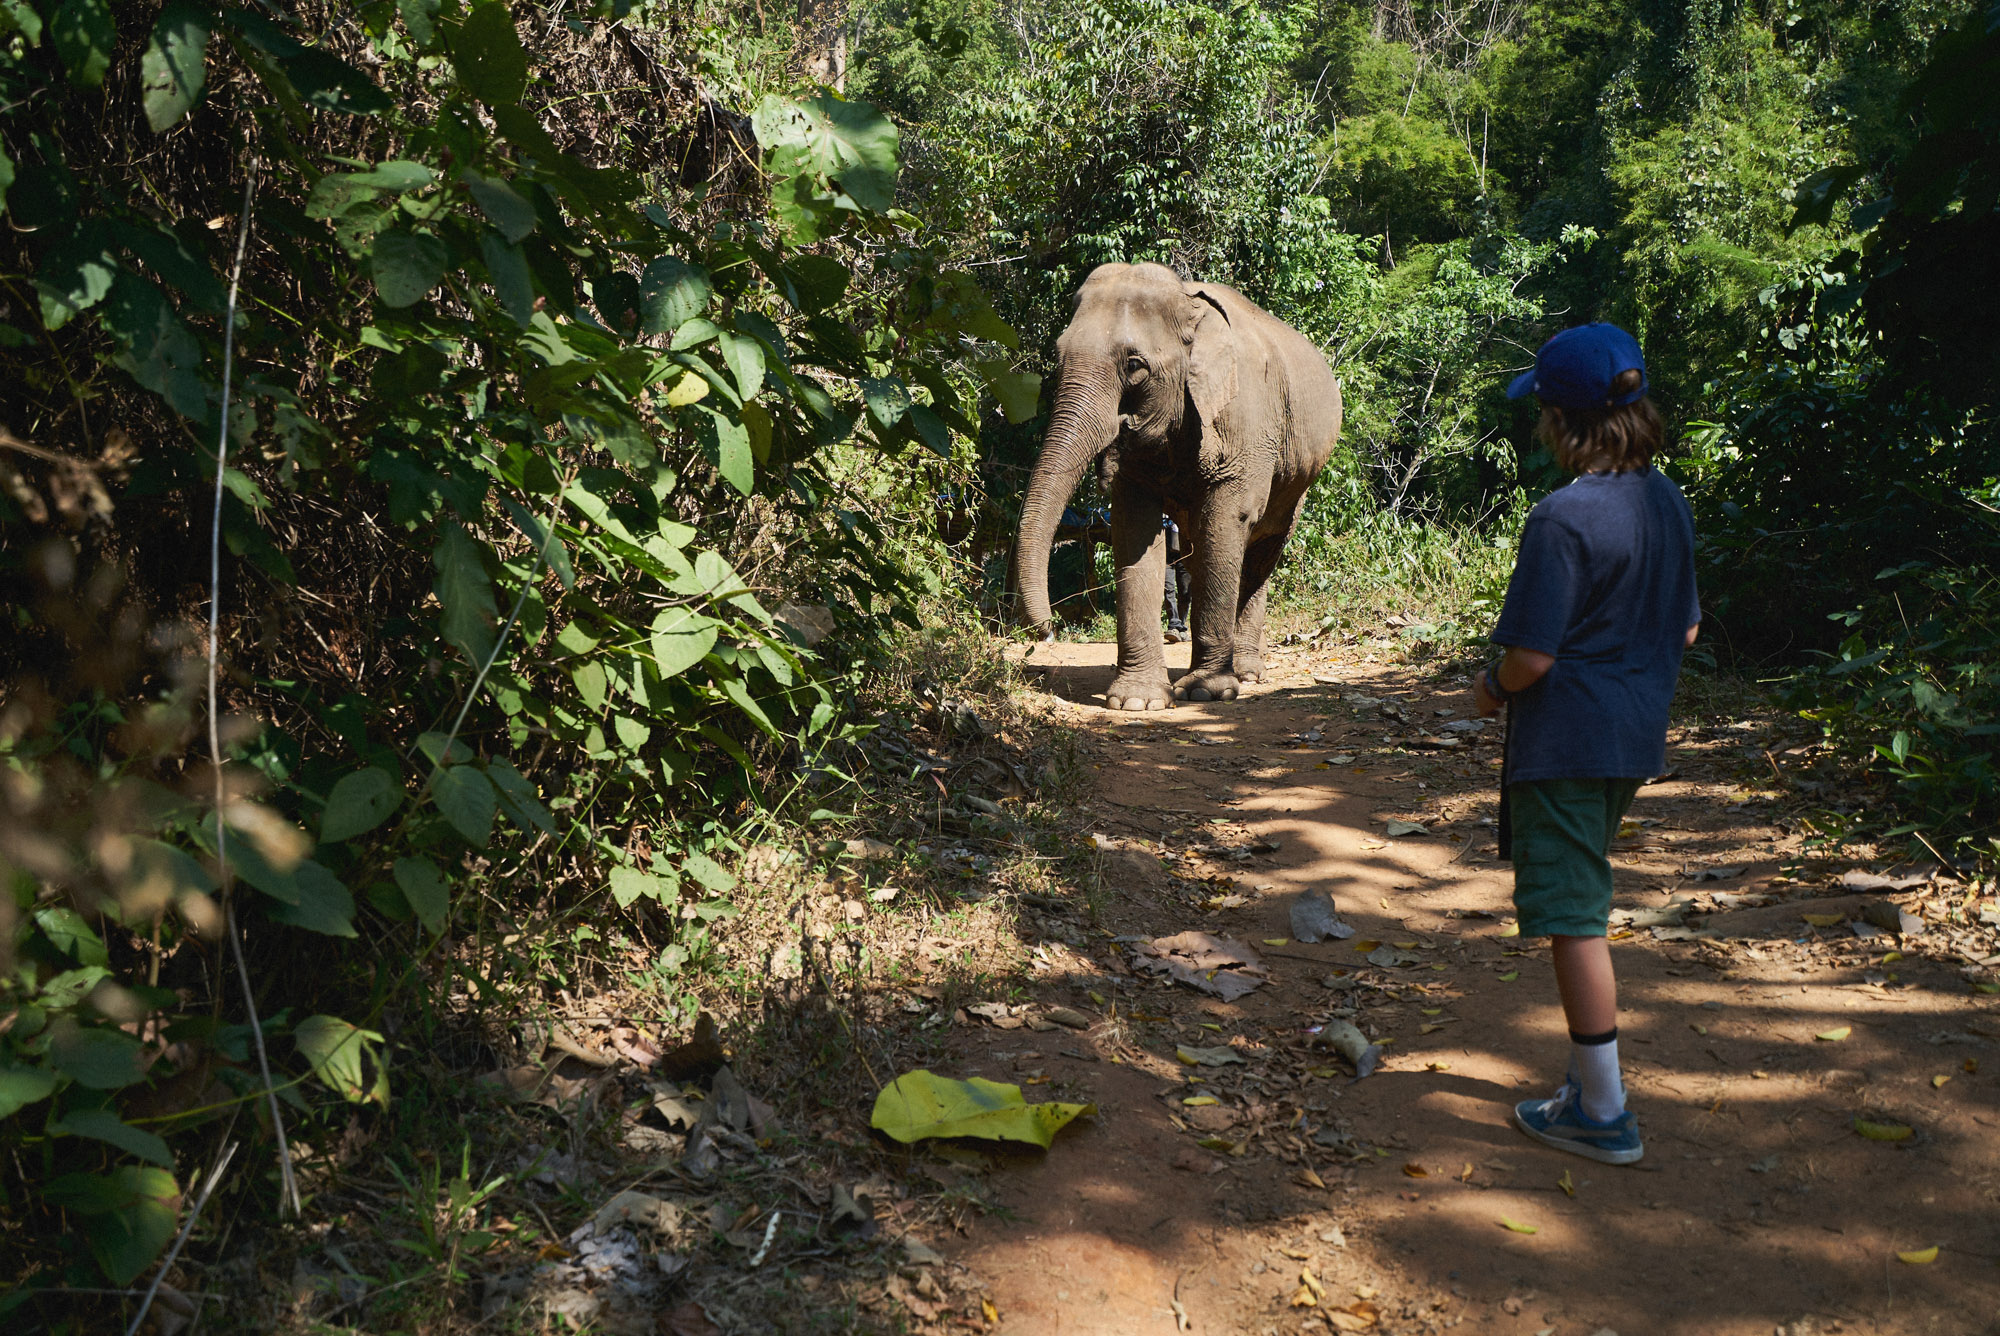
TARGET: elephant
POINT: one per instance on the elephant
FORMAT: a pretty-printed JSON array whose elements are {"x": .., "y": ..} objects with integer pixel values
[{"x": 1196, "y": 402}]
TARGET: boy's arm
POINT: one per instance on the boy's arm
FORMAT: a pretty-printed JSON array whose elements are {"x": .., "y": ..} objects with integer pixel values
[
  {"x": 1518, "y": 670},
  {"x": 1693, "y": 631}
]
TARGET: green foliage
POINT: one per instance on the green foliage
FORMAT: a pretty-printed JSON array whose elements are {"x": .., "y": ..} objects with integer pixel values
[{"x": 589, "y": 427}]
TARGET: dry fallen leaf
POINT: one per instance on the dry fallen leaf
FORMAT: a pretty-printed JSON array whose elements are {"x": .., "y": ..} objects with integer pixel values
[
  {"x": 1510, "y": 976},
  {"x": 988, "y": 1311},
  {"x": 1276, "y": 941},
  {"x": 1440, "y": 1066},
  {"x": 1518, "y": 1227},
  {"x": 1200, "y": 1101},
  {"x": 1971, "y": 1066},
  {"x": 1511, "y": 930},
  {"x": 1836, "y": 1034},
  {"x": 1920, "y": 1256},
  {"x": 1937, "y": 1082},
  {"x": 1465, "y": 1174},
  {"x": 1698, "y": 1029},
  {"x": 1311, "y": 1179},
  {"x": 1305, "y": 1298},
  {"x": 1415, "y": 1170},
  {"x": 1569, "y": 1188}
]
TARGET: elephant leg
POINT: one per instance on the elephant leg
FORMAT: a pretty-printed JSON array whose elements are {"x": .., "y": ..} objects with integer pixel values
[
  {"x": 1139, "y": 549},
  {"x": 1258, "y": 564},
  {"x": 1221, "y": 524}
]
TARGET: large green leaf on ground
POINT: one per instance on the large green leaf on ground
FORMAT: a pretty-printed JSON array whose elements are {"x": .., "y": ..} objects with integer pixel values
[
  {"x": 919, "y": 1105},
  {"x": 175, "y": 63},
  {"x": 335, "y": 1048}
]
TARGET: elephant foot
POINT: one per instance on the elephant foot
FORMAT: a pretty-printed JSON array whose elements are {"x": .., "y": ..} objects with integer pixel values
[
  {"x": 1130, "y": 691},
  {"x": 1249, "y": 667},
  {"x": 1211, "y": 685}
]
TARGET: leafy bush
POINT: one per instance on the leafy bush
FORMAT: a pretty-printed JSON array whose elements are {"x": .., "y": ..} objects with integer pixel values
[{"x": 525, "y": 454}]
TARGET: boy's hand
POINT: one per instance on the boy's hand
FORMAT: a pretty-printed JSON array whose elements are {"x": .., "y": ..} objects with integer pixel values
[{"x": 1482, "y": 699}]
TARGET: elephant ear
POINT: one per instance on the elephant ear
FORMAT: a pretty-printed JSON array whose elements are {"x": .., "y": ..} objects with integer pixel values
[{"x": 1212, "y": 358}]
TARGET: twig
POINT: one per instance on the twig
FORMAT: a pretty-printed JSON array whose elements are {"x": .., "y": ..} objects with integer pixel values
[
  {"x": 187, "y": 1227},
  {"x": 289, "y": 1198},
  {"x": 764, "y": 1248}
]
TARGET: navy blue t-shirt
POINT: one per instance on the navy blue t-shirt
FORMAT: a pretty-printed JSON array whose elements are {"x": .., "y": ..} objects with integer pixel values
[{"x": 1605, "y": 583}]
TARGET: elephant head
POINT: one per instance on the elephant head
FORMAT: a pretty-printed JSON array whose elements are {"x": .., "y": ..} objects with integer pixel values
[{"x": 1143, "y": 353}]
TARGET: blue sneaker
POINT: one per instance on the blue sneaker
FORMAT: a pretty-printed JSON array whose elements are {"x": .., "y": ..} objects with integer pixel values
[{"x": 1561, "y": 1122}]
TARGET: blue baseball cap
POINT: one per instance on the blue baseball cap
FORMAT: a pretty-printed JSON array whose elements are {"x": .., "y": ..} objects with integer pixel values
[{"x": 1576, "y": 367}]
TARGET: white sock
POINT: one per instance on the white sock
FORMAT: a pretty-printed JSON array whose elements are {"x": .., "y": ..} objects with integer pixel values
[{"x": 1603, "y": 1096}]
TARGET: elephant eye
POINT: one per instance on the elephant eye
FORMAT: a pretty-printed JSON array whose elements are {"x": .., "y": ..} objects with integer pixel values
[{"x": 1134, "y": 365}]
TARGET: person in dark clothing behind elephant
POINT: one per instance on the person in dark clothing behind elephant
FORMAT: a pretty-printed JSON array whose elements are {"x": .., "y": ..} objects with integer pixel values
[
  {"x": 1179, "y": 583},
  {"x": 1199, "y": 404}
]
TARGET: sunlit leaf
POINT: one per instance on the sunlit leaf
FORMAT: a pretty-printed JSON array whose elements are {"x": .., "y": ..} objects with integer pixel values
[
  {"x": 175, "y": 63},
  {"x": 918, "y": 1105},
  {"x": 358, "y": 803},
  {"x": 335, "y": 1050}
]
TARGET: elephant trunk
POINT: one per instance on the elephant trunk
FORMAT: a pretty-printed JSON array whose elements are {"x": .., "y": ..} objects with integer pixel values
[{"x": 1082, "y": 426}]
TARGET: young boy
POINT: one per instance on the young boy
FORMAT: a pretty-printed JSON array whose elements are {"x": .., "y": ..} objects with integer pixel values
[{"x": 1599, "y": 611}]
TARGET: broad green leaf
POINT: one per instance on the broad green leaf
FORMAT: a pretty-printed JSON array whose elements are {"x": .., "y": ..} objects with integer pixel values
[
  {"x": 470, "y": 619},
  {"x": 590, "y": 683},
  {"x": 818, "y": 280},
  {"x": 547, "y": 545},
  {"x": 930, "y": 429},
  {"x": 20, "y": 16},
  {"x": 727, "y": 444},
  {"x": 466, "y": 797},
  {"x": 70, "y": 934},
  {"x": 629, "y": 884},
  {"x": 334, "y": 1049},
  {"x": 155, "y": 348},
  {"x": 671, "y": 293},
  {"x": 83, "y": 34},
  {"x": 328, "y": 83},
  {"x": 518, "y": 797},
  {"x": 420, "y": 17},
  {"x": 76, "y": 275},
  {"x": 574, "y": 639},
  {"x": 106, "y": 1126},
  {"x": 744, "y": 357},
  {"x": 887, "y": 399},
  {"x": 632, "y": 733},
  {"x": 397, "y": 175},
  {"x": 918, "y": 1105},
  {"x": 22, "y": 1086},
  {"x": 406, "y": 265},
  {"x": 486, "y": 51},
  {"x": 358, "y": 803},
  {"x": 739, "y": 696},
  {"x": 128, "y": 1215},
  {"x": 1018, "y": 393},
  {"x": 324, "y": 904},
  {"x": 98, "y": 1058},
  {"x": 175, "y": 63},
  {"x": 443, "y": 748},
  {"x": 425, "y": 890},
  {"x": 851, "y": 143},
  {"x": 513, "y": 283},
  {"x": 503, "y": 206},
  {"x": 708, "y": 872},
  {"x": 681, "y": 638}
]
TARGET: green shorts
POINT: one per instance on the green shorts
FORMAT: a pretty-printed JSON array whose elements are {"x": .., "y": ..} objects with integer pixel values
[{"x": 1562, "y": 830}]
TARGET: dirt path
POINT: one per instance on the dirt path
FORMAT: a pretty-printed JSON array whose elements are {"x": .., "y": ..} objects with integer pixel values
[{"x": 1758, "y": 1205}]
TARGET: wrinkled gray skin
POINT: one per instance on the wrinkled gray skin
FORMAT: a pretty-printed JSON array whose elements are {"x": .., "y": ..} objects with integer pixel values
[{"x": 1200, "y": 404}]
